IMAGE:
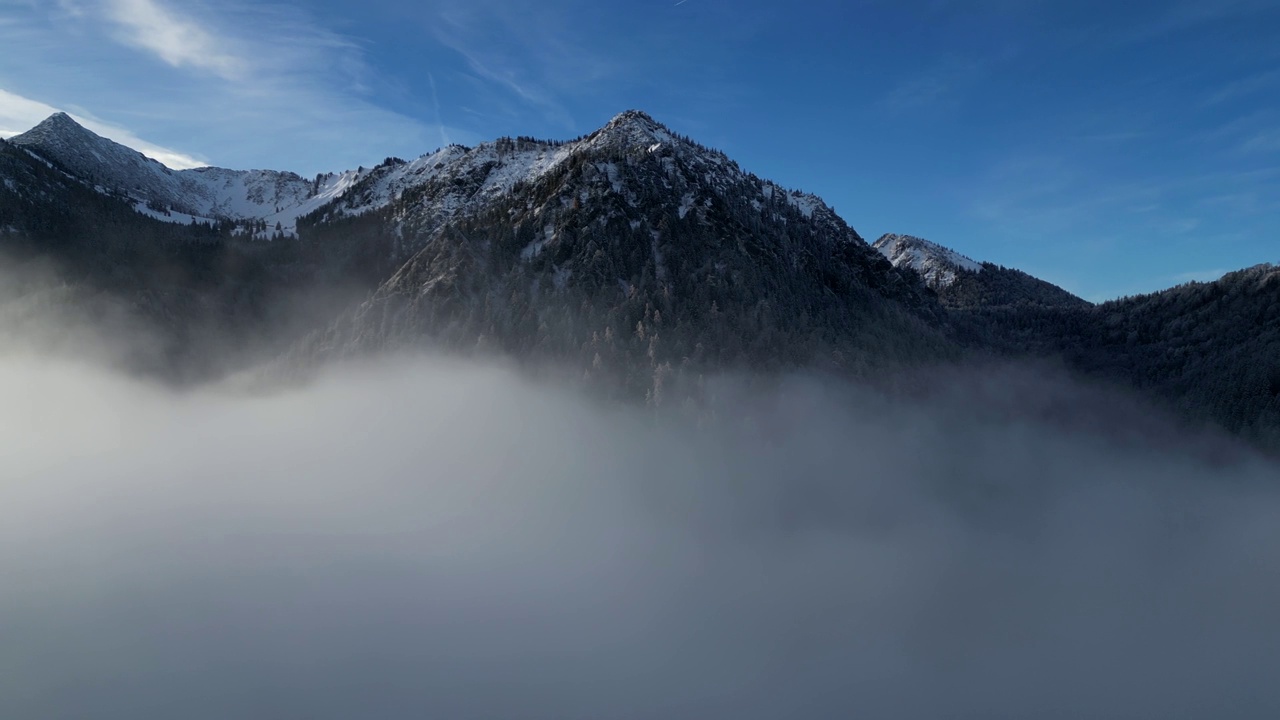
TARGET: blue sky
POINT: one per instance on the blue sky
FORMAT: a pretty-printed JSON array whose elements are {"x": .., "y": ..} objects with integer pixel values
[{"x": 1112, "y": 148}]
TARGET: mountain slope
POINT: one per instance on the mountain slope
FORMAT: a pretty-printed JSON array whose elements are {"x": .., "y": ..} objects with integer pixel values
[
  {"x": 659, "y": 250},
  {"x": 1207, "y": 350},
  {"x": 636, "y": 258},
  {"x": 636, "y": 252},
  {"x": 267, "y": 197},
  {"x": 1212, "y": 348},
  {"x": 938, "y": 266},
  {"x": 961, "y": 282},
  {"x": 197, "y": 299}
]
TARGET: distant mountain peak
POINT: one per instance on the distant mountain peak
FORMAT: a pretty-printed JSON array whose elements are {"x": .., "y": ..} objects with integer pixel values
[
  {"x": 633, "y": 117},
  {"x": 60, "y": 118},
  {"x": 57, "y": 129},
  {"x": 962, "y": 282},
  {"x": 60, "y": 135},
  {"x": 182, "y": 196},
  {"x": 938, "y": 265},
  {"x": 633, "y": 127}
]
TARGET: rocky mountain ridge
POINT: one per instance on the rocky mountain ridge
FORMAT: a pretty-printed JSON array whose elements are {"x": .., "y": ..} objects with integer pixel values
[{"x": 938, "y": 266}]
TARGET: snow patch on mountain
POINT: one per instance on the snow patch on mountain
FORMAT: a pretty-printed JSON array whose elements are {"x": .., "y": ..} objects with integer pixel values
[
  {"x": 453, "y": 178},
  {"x": 938, "y": 265},
  {"x": 804, "y": 202},
  {"x": 172, "y": 216}
]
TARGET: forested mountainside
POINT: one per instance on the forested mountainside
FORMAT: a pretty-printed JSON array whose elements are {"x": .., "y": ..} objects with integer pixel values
[
  {"x": 1212, "y": 348},
  {"x": 204, "y": 292},
  {"x": 961, "y": 282},
  {"x": 642, "y": 256},
  {"x": 997, "y": 285},
  {"x": 1208, "y": 350},
  {"x": 633, "y": 256}
]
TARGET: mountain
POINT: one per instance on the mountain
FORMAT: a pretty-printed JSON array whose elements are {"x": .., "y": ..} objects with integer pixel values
[
  {"x": 198, "y": 298},
  {"x": 633, "y": 257},
  {"x": 665, "y": 250},
  {"x": 961, "y": 282},
  {"x": 206, "y": 194},
  {"x": 1212, "y": 348},
  {"x": 630, "y": 252},
  {"x": 938, "y": 266},
  {"x": 1205, "y": 350}
]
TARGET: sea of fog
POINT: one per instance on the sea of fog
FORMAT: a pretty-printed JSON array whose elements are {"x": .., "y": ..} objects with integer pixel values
[{"x": 420, "y": 537}]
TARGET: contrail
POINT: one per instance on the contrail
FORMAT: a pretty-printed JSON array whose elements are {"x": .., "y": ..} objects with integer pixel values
[{"x": 435, "y": 100}]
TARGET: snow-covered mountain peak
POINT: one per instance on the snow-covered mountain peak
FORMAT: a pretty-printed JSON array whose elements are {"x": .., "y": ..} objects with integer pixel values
[
  {"x": 201, "y": 194},
  {"x": 632, "y": 128},
  {"x": 59, "y": 132},
  {"x": 57, "y": 124},
  {"x": 938, "y": 265},
  {"x": 633, "y": 118},
  {"x": 86, "y": 153},
  {"x": 455, "y": 178}
]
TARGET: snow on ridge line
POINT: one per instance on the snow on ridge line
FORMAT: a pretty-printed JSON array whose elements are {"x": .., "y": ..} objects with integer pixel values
[
  {"x": 179, "y": 196},
  {"x": 504, "y": 168},
  {"x": 938, "y": 265},
  {"x": 926, "y": 249},
  {"x": 279, "y": 199}
]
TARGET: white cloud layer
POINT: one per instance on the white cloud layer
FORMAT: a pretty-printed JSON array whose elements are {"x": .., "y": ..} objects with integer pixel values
[{"x": 425, "y": 538}]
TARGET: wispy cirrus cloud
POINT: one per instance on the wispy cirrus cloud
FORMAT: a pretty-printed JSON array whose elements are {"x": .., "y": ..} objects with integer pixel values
[
  {"x": 245, "y": 83},
  {"x": 1189, "y": 13},
  {"x": 1170, "y": 227},
  {"x": 550, "y": 60},
  {"x": 939, "y": 86},
  {"x": 1266, "y": 140},
  {"x": 180, "y": 41},
  {"x": 524, "y": 54},
  {"x": 1250, "y": 134},
  {"x": 1244, "y": 87}
]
